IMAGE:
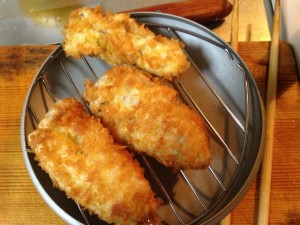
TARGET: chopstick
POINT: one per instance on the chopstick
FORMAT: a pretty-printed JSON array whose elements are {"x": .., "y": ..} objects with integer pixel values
[
  {"x": 235, "y": 25},
  {"x": 234, "y": 44},
  {"x": 226, "y": 220},
  {"x": 266, "y": 173}
]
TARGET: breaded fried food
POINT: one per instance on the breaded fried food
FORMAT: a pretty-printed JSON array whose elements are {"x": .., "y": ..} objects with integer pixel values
[
  {"x": 149, "y": 117},
  {"x": 119, "y": 39},
  {"x": 81, "y": 158}
]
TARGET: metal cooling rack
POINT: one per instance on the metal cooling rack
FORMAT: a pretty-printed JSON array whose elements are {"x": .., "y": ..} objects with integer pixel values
[{"x": 42, "y": 91}]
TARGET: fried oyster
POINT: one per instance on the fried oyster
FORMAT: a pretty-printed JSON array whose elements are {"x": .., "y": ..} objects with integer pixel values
[
  {"x": 149, "y": 117},
  {"x": 81, "y": 159},
  {"x": 119, "y": 39}
]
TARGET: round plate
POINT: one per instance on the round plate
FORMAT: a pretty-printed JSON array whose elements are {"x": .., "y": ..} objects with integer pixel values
[{"x": 218, "y": 86}]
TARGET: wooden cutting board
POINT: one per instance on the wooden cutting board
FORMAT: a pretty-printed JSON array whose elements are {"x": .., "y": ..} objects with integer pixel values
[{"x": 20, "y": 202}]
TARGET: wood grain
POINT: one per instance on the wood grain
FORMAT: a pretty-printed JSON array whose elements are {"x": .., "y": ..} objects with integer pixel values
[
  {"x": 285, "y": 200},
  {"x": 20, "y": 202},
  {"x": 202, "y": 12}
]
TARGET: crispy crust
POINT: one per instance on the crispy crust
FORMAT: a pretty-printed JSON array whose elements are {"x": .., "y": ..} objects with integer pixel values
[
  {"x": 81, "y": 159},
  {"x": 119, "y": 39},
  {"x": 149, "y": 117}
]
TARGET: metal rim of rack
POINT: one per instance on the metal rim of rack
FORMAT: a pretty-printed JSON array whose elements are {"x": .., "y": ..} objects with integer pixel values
[{"x": 172, "y": 31}]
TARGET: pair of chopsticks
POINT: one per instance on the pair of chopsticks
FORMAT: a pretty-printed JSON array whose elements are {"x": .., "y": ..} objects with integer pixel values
[{"x": 266, "y": 171}]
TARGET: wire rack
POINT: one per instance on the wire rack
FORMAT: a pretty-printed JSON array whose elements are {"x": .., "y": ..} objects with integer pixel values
[{"x": 190, "y": 197}]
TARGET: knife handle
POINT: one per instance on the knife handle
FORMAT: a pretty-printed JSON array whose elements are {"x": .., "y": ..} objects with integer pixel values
[{"x": 202, "y": 11}]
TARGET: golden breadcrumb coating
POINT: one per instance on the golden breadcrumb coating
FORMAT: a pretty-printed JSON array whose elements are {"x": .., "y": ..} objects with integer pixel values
[
  {"x": 81, "y": 158},
  {"x": 119, "y": 39},
  {"x": 149, "y": 117}
]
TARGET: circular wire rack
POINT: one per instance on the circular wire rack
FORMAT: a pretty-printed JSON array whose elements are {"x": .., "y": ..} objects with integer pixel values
[{"x": 218, "y": 86}]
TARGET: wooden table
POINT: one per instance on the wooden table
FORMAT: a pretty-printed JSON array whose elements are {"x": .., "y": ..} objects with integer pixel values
[{"x": 20, "y": 202}]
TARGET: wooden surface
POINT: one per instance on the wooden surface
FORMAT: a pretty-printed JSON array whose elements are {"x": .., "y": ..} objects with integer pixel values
[
  {"x": 21, "y": 204},
  {"x": 206, "y": 11}
]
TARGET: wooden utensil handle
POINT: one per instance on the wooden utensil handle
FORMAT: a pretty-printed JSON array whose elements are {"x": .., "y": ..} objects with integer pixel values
[{"x": 203, "y": 11}]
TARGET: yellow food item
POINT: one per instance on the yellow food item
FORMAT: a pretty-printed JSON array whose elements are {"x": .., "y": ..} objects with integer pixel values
[
  {"x": 81, "y": 158},
  {"x": 149, "y": 117},
  {"x": 119, "y": 39}
]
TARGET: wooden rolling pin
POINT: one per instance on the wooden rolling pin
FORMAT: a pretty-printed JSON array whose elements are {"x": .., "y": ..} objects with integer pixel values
[{"x": 201, "y": 11}]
